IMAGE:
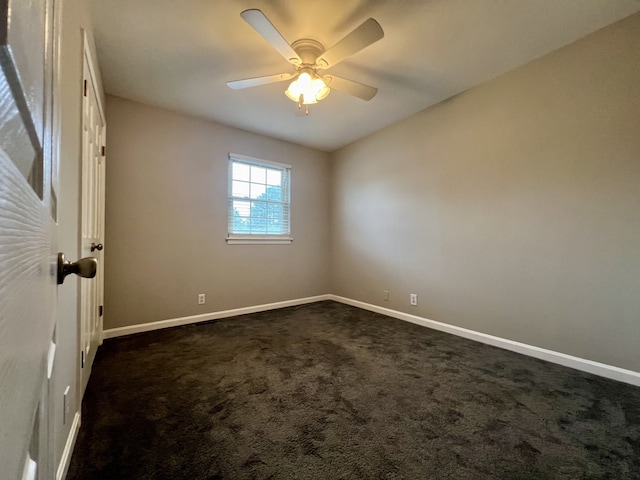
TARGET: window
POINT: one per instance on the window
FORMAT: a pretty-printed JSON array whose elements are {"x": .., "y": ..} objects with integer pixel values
[{"x": 258, "y": 206}]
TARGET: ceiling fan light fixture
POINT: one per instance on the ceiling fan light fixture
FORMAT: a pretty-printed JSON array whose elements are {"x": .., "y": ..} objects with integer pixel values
[{"x": 310, "y": 86}]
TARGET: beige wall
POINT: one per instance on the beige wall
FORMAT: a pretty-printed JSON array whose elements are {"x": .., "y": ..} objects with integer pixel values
[
  {"x": 166, "y": 219},
  {"x": 512, "y": 209}
]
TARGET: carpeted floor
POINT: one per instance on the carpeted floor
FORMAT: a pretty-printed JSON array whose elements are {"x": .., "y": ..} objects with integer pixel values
[{"x": 328, "y": 391}]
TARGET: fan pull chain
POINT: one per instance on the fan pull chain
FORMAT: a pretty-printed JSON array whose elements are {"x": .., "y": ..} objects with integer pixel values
[{"x": 301, "y": 102}]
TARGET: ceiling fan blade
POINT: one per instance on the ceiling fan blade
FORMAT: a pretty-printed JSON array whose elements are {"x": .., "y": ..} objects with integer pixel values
[
  {"x": 264, "y": 27},
  {"x": 357, "y": 89},
  {"x": 257, "y": 81},
  {"x": 367, "y": 33}
]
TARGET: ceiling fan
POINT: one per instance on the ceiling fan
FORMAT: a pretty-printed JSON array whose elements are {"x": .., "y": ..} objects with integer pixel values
[{"x": 308, "y": 57}]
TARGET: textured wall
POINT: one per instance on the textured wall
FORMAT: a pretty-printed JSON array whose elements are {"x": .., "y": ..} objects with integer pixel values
[
  {"x": 512, "y": 209},
  {"x": 166, "y": 219}
]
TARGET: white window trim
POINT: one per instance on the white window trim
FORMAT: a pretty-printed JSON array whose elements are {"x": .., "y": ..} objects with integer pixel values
[
  {"x": 237, "y": 239},
  {"x": 255, "y": 159},
  {"x": 258, "y": 240}
]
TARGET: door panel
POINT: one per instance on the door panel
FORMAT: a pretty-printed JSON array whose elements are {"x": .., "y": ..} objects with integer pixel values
[
  {"x": 27, "y": 287},
  {"x": 28, "y": 237}
]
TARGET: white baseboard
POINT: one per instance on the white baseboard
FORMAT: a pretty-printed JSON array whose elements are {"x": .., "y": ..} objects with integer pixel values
[
  {"x": 63, "y": 466},
  {"x": 589, "y": 366},
  {"x": 175, "y": 322}
]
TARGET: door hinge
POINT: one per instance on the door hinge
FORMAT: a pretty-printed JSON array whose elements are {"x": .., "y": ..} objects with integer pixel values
[
  {"x": 100, "y": 310},
  {"x": 82, "y": 358},
  {"x": 104, "y": 150},
  {"x": 85, "y": 88}
]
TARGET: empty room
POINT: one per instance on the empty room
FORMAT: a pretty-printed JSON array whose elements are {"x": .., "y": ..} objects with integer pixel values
[{"x": 320, "y": 240}]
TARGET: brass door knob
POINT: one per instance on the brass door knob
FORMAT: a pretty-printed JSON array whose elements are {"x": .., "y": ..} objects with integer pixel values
[{"x": 96, "y": 247}]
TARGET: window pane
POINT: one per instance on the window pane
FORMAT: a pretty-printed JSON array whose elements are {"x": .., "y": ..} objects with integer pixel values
[
  {"x": 240, "y": 189},
  {"x": 274, "y": 219},
  {"x": 243, "y": 208},
  {"x": 274, "y": 193},
  {"x": 240, "y": 225},
  {"x": 241, "y": 171},
  {"x": 258, "y": 225},
  {"x": 274, "y": 213},
  {"x": 257, "y": 190},
  {"x": 275, "y": 229},
  {"x": 240, "y": 220},
  {"x": 274, "y": 177},
  {"x": 259, "y": 210},
  {"x": 258, "y": 174}
]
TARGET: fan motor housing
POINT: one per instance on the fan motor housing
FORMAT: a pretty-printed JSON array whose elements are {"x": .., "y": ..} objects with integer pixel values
[{"x": 308, "y": 50}]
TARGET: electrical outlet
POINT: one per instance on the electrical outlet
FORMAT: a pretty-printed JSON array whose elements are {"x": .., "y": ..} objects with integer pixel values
[
  {"x": 413, "y": 299},
  {"x": 66, "y": 406},
  {"x": 201, "y": 299},
  {"x": 386, "y": 295}
]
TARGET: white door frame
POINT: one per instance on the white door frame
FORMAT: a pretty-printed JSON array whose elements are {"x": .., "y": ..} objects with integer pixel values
[{"x": 92, "y": 216}]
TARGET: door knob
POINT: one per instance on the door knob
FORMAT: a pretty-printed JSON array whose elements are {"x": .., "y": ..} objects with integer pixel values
[
  {"x": 85, "y": 267},
  {"x": 96, "y": 247}
]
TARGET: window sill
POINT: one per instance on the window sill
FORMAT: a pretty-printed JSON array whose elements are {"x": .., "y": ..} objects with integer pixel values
[{"x": 258, "y": 240}]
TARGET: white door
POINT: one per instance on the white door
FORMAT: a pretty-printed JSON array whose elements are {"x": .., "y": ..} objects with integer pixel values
[
  {"x": 93, "y": 170},
  {"x": 28, "y": 238}
]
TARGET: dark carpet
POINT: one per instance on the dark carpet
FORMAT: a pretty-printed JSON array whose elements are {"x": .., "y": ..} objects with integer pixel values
[{"x": 328, "y": 391}]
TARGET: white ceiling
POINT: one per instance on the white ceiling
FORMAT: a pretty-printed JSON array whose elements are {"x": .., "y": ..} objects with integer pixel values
[{"x": 179, "y": 54}]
